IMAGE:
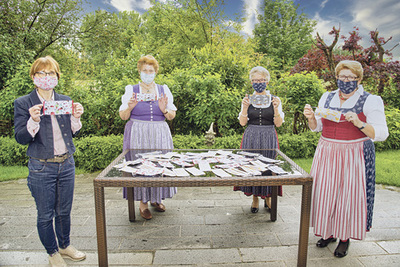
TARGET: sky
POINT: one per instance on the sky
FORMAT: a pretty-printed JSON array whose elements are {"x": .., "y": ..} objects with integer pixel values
[{"x": 366, "y": 15}]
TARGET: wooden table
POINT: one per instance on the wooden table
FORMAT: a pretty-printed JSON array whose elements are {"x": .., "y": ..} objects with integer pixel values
[{"x": 104, "y": 179}]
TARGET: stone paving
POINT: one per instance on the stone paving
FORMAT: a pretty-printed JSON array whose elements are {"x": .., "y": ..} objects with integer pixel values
[{"x": 201, "y": 227}]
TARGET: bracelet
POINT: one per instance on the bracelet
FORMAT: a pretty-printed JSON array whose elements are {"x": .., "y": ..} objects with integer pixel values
[
  {"x": 243, "y": 115},
  {"x": 166, "y": 111},
  {"x": 363, "y": 126},
  {"x": 275, "y": 116}
]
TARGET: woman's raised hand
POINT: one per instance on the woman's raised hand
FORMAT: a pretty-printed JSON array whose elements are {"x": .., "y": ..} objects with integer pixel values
[
  {"x": 132, "y": 101},
  {"x": 308, "y": 112}
]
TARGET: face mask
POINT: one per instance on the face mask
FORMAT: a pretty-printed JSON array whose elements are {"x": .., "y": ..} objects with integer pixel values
[
  {"x": 259, "y": 87},
  {"x": 46, "y": 83},
  {"x": 347, "y": 87},
  {"x": 147, "y": 78}
]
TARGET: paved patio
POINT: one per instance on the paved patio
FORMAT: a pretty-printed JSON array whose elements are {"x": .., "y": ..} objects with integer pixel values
[{"x": 201, "y": 227}]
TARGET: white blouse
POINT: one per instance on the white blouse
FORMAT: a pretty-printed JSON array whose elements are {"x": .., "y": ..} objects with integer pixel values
[
  {"x": 373, "y": 109},
  {"x": 281, "y": 113},
  {"x": 129, "y": 92}
]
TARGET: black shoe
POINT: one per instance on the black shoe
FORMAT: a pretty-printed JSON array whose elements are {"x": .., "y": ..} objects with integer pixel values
[
  {"x": 254, "y": 210},
  {"x": 324, "y": 242},
  {"x": 341, "y": 249}
]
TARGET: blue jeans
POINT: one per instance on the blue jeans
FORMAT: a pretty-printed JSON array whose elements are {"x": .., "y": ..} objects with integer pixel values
[{"x": 52, "y": 187}]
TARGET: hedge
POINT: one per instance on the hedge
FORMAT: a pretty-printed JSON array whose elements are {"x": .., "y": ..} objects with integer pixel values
[{"x": 95, "y": 153}]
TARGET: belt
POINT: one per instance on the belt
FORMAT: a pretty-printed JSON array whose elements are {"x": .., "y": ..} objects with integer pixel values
[{"x": 57, "y": 158}]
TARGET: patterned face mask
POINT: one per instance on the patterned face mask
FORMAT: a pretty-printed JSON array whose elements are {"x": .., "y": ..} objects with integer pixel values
[
  {"x": 347, "y": 87},
  {"x": 46, "y": 83},
  {"x": 147, "y": 78},
  {"x": 259, "y": 87}
]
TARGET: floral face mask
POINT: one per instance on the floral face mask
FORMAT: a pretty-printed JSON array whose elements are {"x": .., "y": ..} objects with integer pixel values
[{"x": 46, "y": 83}]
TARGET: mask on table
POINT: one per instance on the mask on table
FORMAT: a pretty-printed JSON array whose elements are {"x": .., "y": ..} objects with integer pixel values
[
  {"x": 347, "y": 87},
  {"x": 259, "y": 87},
  {"x": 147, "y": 78},
  {"x": 46, "y": 83}
]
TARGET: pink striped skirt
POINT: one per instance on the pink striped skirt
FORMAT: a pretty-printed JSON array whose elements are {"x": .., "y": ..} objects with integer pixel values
[{"x": 339, "y": 201}]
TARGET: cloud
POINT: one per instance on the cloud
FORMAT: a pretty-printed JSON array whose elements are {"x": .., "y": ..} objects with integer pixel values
[
  {"x": 130, "y": 5},
  {"x": 322, "y": 5},
  {"x": 382, "y": 15},
  {"x": 251, "y": 8},
  {"x": 367, "y": 15}
]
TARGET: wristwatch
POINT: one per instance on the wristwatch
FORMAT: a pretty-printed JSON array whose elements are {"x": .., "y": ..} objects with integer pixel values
[{"x": 363, "y": 126}]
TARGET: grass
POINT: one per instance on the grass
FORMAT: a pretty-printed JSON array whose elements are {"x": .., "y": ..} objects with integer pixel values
[
  {"x": 8, "y": 173},
  {"x": 387, "y": 169}
]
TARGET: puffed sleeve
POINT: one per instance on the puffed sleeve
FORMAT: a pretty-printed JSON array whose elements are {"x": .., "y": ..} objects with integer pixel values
[
  {"x": 280, "y": 109},
  {"x": 125, "y": 98},
  {"x": 375, "y": 112},
  {"x": 170, "y": 105},
  {"x": 321, "y": 104},
  {"x": 241, "y": 110}
]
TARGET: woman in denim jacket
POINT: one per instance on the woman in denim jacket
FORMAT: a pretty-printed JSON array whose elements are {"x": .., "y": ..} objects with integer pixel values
[{"x": 51, "y": 162}]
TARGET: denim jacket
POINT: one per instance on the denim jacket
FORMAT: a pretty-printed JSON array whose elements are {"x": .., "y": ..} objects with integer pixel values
[{"x": 42, "y": 145}]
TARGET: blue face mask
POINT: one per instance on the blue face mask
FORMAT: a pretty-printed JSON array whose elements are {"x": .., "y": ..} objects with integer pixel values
[
  {"x": 347, "y": 87},
  {"x": 259, "y": 87},
  {"x": 147, "y": 78}
]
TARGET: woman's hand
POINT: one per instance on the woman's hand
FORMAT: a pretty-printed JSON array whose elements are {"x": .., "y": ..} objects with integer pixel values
[
  {"x": 35, "y": 112},
  {"x": 275, "y": 103},
  {"x": 246, "y": 102},
  {"x": 78, "y": 110},
  {"x": 353, "y": 118},
  {"x": 308, "y": 112},
  {"x": 162, "y": 102},
  {"x": 132, "y": 102}
]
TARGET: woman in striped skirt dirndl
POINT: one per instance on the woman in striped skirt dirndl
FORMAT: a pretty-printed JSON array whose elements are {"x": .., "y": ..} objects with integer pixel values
[
  {"x": 344, "y": 162},
  {"x": 261, "y": 119},
  {"x": 147, "y": 129}
]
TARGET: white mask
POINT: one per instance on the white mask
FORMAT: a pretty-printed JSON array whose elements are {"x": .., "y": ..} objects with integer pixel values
[{"x": 147, "y": 78}]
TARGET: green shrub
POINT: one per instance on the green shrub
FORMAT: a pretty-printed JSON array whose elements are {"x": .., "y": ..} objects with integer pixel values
[
  {"x": 228, "y": 142},
  {"x": 393, "y": 123},
  {"x": 189, "y": 142},
  {"x": 95, "y": 153},
  {"x": 12, "y": 153},
  {"x": 299, "y": 145},
  {"x": 295, "y": 91}
]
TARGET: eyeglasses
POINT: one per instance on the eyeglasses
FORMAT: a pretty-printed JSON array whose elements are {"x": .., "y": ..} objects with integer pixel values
[
  {"x": 258, "y": 81},
  {"x": 349, "y": 78},
  {"x": 42, "y": 74}
]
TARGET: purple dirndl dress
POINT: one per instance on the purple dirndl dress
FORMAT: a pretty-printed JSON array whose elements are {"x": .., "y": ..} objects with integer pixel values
[{"x": 147, "y": 129}]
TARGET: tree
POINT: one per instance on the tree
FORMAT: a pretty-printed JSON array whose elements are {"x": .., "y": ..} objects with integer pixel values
[
  {"x": 379, "y": 72},
  {"x": 282, "y": 33},
  {"x": 28, "y": 28},
  {"x": 173, "y": 28},
  {"x": 109, "y": 34}
]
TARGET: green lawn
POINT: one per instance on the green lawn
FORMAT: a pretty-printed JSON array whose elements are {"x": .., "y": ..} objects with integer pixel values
[
  {"x": 387, "y": 169},
  {"x": 18, "y": 172}
]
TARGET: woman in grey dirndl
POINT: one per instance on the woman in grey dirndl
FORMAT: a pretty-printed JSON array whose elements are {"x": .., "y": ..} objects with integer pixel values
[
  {"x": 260, "y": 133},
  {"x": 147, "y": 128}
]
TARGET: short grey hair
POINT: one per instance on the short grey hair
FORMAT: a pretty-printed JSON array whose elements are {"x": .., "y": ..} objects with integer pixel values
[{"x": 261, "y": 70}]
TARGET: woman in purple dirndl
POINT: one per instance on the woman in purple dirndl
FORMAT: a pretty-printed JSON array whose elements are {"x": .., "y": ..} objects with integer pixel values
[
  {"x": 260, "y": 133},
  {"x": 146, "y": 127}
]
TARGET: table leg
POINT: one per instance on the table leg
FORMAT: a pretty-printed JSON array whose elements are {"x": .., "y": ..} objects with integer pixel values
[
  {"x": 304, "y": 224},
  {"x": 131, "y": 204},
  {"x": 274, "y": 203},
  {"x": 101, "y": 226}
]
